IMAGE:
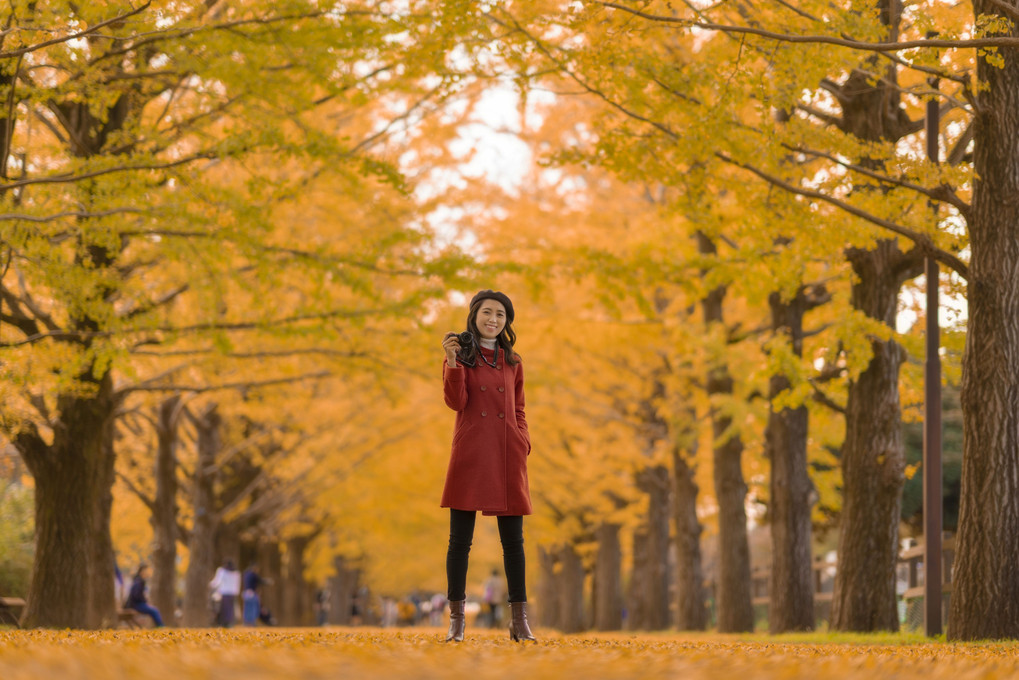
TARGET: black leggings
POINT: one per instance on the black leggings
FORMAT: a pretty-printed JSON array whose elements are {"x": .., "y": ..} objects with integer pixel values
[{"x": 461, "y": 535}]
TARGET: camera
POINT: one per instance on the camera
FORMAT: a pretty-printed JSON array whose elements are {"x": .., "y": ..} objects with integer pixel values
[{"x": 468, "y": 352}]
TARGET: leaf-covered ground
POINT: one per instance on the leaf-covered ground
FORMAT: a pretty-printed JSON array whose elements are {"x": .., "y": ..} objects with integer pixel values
[{"x": 293, "y": 654}]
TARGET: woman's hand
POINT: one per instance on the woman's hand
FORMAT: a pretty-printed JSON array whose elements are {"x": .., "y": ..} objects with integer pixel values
[{"x": 451, "y": 345}]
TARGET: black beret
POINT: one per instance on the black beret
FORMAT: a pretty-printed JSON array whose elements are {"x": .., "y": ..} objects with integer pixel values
[{"x": 495, "y": 295}]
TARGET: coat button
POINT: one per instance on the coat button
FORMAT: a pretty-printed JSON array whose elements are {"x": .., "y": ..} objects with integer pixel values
[
  {"x": 501, "y": 389},
  {"x": 502, "y": 415},
  {"x": 484, "y": 413},
  {"x": 483, "y": 388}
]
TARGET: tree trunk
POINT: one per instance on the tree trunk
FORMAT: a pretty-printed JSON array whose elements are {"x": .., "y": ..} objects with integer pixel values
[
  {"x": 791, "y": 590},
  {"x": 636, "y": 603},
  {"x": 571, "y": 590},
  {"x": 691, "y": 614},
  {"x": 228, "y": 544},
  {"x": 548, "y": 614},
  {"x": 164, "y": 511},
  {"x": 651, "y": 574},
  {"x": 608, "y": 587},
  {"x": 72, "y": 574},
  {"x": 735, "y": 609},
  {"x": 202, "y": 546},
  {"x": 985, "y": 592},
  {"x": 270, "y": 567},
  {"x": 873, "y": 458},
  {"x": 103, "y": 601},
  {"x": 298, "y": 593},
  {"x": 342, "y": 587}
]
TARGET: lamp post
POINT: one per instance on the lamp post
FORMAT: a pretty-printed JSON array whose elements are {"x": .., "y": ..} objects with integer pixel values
[{"x": 932, "y": 502}]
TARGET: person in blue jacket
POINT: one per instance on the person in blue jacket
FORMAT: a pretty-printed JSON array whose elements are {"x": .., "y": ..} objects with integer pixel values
[
  {"x": 138, "y": 600},
  {"x": 252, "y": 602}
]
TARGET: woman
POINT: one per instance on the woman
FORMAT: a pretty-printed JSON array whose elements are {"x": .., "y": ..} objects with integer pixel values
[
  {"x": 227, "y": 584},
  {"x": 138, "y": 600},
  {"x": 483, "y": 381}
]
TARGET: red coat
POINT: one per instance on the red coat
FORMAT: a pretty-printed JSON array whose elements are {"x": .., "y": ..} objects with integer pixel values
[{"x": 488, "y": 463}]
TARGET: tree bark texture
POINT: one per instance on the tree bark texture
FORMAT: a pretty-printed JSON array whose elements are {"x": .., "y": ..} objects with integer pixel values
[
  {"x": 342, "y": 587},
  {"x": 298, "y": 594},
  {"x": 791, "y": 590},
  {"x": 270, "y": 566},
  {"x": 571, "y": 590},
  {"x": 735, "y": 609},
  {"x": 164, "y": 511},
  {"x": 985, "y": 594},
  {"x": 608, "y": 586},
  {"x": 104, "y": 596},
  {"x": 548, "y": 613},
  {"x": 691, "y": 614},
  {"x": 72, "y": 574},
  {"x": 636, "y": 603},
  {"x": 649, "y": 590},
  {"x": 873, "y": 458},
  {"x": 228, "y": 544},
  {"x": 202, "y": 546}
]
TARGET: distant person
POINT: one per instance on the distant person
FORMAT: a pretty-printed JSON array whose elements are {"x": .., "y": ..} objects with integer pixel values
[
  {"x": 438, "y": 604},
  {"x": 358, "y": 605},
  {"x": 120, "y": 589},
  {"x": 137, "y": 597},
  {"x": 321, "y": 606},
  {"x": 493, "y": 593},
  {"x": 251, "y": 582},
  {"x": 483, "y": 381},
  {"x": 227, "y": 583}
]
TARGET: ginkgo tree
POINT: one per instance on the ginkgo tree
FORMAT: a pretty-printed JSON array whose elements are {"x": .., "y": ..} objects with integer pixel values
[{"x": 154, "y": 155}]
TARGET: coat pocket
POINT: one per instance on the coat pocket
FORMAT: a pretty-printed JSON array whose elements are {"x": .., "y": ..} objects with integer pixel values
[
  {"x": 525, "y": 438},
  {"x": 460, "y": 434}
]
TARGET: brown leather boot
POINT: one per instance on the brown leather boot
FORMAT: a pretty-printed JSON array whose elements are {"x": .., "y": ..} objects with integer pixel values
[
  {"x": 518, "y": 629},
  {"x": 456, "y": 621}
]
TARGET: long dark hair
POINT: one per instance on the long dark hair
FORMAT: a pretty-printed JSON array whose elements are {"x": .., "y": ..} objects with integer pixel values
[{"x": 507, "y": 336}]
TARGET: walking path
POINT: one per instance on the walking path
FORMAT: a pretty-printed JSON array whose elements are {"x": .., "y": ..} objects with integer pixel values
[{"x": 299, "y": 654}]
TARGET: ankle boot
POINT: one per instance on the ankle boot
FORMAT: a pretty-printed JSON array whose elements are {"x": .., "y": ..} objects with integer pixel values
[
  {"x": 518, "y": 629},
  {"x": 456, "y": 621}
]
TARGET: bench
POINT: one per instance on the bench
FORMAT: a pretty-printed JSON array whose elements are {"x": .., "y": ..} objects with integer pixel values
[
  {"x": 8, "y": 617},
  {"x": 133, "y": 619}
]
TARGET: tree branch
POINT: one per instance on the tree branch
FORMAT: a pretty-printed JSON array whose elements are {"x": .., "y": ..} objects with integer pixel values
[
  {"x": 175, "y": 34},
  {"x": 923, "y": 241},
  {"x": 822, "y": 398},
  {"x": 942, "y": 193},
  {"x": 827, "y": 118},
  {"x": 142, "y": 496},
  {"x": 9, "y": 54},
  {"x": 195, "y": 328},
  {"x": 822, "y": 39},
  {"x": 17, "y": 317},
  {"x": 30, "y": 445},
  {"x": 70, "y": 177},
  {"x": 166, "y": 299},
  {"x": 78, "y": 214},
  {"x": 241, "y": 385},
  {"x": 958, "y": 152},
  {"x": 267, "y": 354}
]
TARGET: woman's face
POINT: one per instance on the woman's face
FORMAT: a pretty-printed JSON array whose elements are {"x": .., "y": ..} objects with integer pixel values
[{"x": 491, "y": 319}]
